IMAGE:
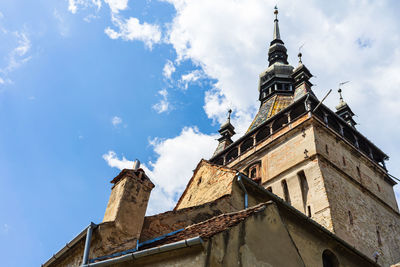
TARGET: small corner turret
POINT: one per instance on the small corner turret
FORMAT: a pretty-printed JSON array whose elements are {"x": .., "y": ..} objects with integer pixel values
[
  {"x": 344, "y": 111},
  {"x": 227, "y": 131}
]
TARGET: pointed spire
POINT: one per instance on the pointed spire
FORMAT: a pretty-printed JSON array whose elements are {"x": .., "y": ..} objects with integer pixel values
[
  {"x": 343, "y": 110},
  {"x": 277, "y": 34},
  {"x": 277, "y": 49},
  {"x": 227, "y": 131}
]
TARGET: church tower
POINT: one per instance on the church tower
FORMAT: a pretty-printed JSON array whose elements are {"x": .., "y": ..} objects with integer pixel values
[{"x": 316, "y": 160}]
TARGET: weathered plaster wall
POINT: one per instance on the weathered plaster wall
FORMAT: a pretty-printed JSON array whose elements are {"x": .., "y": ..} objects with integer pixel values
[
  {"x": 270, "y": 237},
  {"x": 367, "y": 217},
  {"x": 209, "y": 182},
  {"x": 311, "y": 243}
]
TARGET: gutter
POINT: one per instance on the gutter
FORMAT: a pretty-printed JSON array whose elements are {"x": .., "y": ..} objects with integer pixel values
[
  {"x": 191, "y": 242},
  {"x": 246, "y": 197},
  {"x": 75, "y": 240}
]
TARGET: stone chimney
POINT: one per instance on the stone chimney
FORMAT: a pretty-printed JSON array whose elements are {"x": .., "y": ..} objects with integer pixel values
[{"x": 128, "y": 201}]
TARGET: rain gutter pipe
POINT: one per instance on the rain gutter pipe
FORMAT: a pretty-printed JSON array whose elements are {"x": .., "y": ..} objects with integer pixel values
[
  {"x": 89, "y": 232},
  {"x": 67, "y": 246},
  {"x": 191, "y": 242},
  {"x": 246, "y": 197}
]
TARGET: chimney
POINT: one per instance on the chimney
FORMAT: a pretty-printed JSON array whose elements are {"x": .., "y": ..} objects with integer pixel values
[{"x": 128, "y": 201}]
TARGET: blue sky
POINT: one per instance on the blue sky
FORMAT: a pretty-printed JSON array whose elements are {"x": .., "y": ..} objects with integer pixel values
[{"x": 87, "y": 86}]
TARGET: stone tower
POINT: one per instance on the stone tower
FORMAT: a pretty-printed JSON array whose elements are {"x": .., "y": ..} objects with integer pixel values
[{"x": 316, "y": 160}]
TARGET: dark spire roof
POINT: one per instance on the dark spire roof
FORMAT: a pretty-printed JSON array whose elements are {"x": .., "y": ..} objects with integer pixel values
[
  {"x": 344, "y": 111},
  {"x": 277, "y": 34},
  {"x": 227, "y": 131},
  {"x": 277, "y": 49}
]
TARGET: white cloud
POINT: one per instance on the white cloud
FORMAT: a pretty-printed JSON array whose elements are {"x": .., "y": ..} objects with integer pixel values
[
  {"x": 17, "y": 57},
  {"x": 62, "y": 25},
  {"x": 176, "y": 159},
  {"x": 168, "y": 69},
  {"x": 73, "y": 5},
  {"x": 131, "y": 29},
  {"x": 117, "y": 5},
  {"x": 163, "y": 105},
  {"x": 114, "y": 162},
  {"x": 191, "y": 77},
  {"x": 116, "y": 120}
]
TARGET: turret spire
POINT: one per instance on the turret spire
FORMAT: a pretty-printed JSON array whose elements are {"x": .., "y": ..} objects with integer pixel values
[
  {"x": 277, "y": 49},
  {"x": 343, "y": 110},
  {"x": 227, "y": 131},
  {"x": 277, "y": 34}
]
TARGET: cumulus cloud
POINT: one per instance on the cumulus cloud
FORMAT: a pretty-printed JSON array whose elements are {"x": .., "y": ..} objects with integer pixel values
[
  {"x": 131, "y": 29},
  {"x": 113, "y": 161},
  {"x": 191, "y": 77},
  {"x": 117, "y": 5},
  {"x": 170, "y": 172},
  {"x": 163, "y": 105},
  {"x": 168, "y": 69},
  {"x": 116, "y": 121},
  {"x": 74, "y": 5}
]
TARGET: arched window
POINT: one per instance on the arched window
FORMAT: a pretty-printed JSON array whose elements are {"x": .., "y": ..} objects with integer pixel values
[
  {"x": 246, "y": 145},
  {"x": 329, "y": 259},
  {"x": 232, "y": 154},
  {"x": 262, "y": 134}
]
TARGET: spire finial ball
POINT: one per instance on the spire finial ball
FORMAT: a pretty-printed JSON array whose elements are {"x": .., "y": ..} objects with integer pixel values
[{"x": 300, "y": 55}]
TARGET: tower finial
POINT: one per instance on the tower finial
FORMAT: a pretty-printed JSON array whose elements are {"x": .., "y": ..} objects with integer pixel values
[
  {"x": 277, "y": 35},
  {"x": 229, "y": 115},
  {"x": 343, "y": 110},
  {"x": 340, "y": 93}
]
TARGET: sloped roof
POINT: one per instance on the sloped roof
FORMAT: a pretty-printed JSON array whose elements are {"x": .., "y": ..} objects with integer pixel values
[
  {"x": 209, "y": 227},
  {"x": 269, "y": 108}
]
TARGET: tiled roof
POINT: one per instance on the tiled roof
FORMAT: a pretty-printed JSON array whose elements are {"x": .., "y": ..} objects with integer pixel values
[
  {"x": 209, "y": 227},
  {"x": 269, "y": 108}
]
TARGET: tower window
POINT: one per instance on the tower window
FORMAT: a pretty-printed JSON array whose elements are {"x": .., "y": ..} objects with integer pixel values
[
  {"x": 379, "y": 188},
  {"x": 253, "y": 173},
  {"x": 358, "y": 172},
  {"x": 199, "y": 181},
  {"x": 309, "y": 211},
  {"x": 303, "y": 186},
  {"x": 378, "y": 235},
  {"x": 350, "y": 217},
  {"x": 326, "y": 149},
  {"x": 285, "y": 191},
  {"x": 269, "y": 188},
  {"x": 344, "y": 161}
]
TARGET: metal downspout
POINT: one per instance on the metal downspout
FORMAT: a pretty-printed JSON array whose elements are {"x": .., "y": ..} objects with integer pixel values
[
  {"x": 90, "y": 228},
  {"x": 246, "y": 197}
]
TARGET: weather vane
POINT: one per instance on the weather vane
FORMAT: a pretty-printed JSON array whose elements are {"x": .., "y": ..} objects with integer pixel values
[{"x": 340, "y": 90}]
